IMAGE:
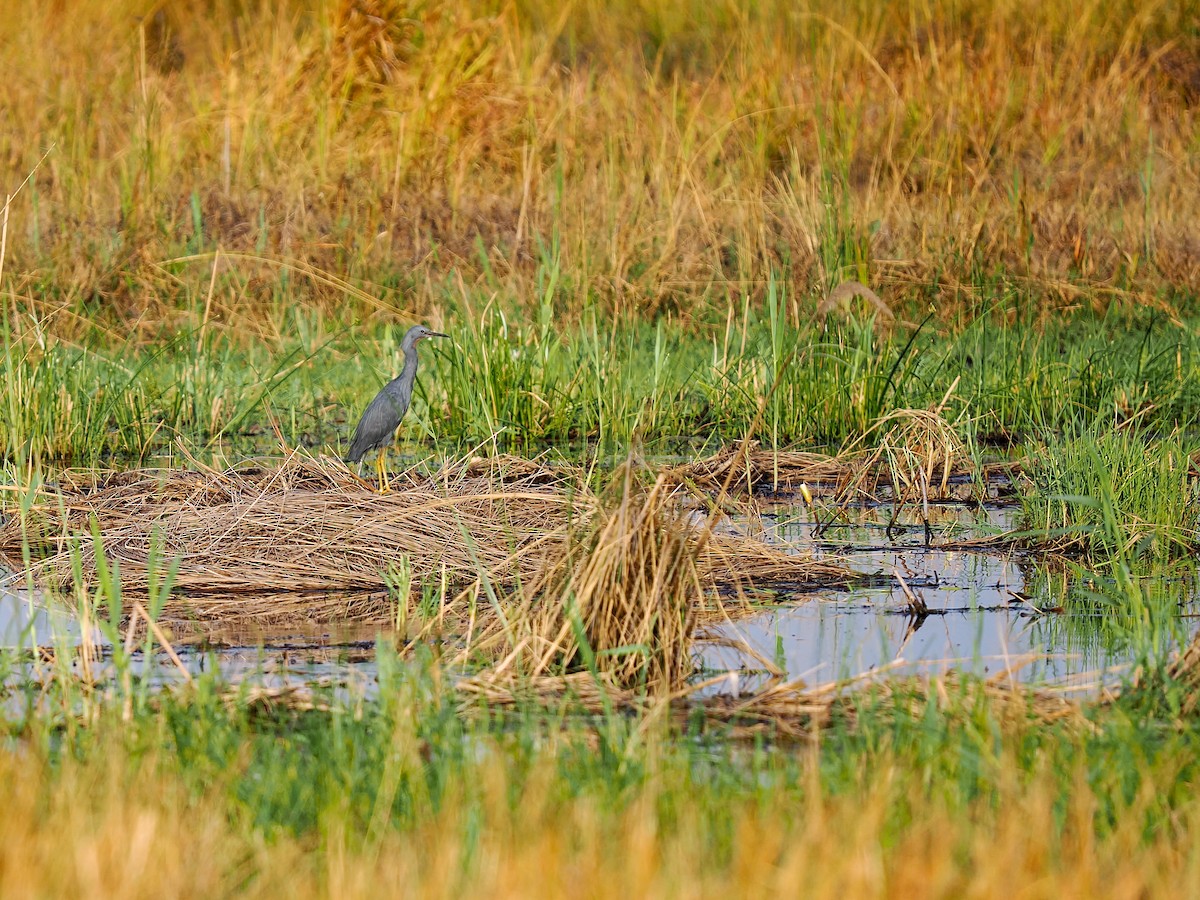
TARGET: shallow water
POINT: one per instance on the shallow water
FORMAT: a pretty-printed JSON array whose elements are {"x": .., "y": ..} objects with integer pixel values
[
  {"x": 342, "y": 662},
  {"x": 985, "y": 611},
  {"x": 27, "y": 621}
]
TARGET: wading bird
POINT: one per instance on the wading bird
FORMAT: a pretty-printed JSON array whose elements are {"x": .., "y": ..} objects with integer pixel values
[{"x": 379, "y": 422}]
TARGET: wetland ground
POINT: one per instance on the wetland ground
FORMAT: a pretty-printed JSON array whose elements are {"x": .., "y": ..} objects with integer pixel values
[{"x": 694, "y": 584}]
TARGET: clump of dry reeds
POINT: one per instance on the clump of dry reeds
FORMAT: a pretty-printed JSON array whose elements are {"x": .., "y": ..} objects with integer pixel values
[
  {"x": 538, "y": 572},
  {"x": 627, "y": 597},
  {"x": 917, "y": 451},
  {"x": 633, "y": 581},
  {"x": 305, "y": 539},
  {"x": 918, "y": 456}
]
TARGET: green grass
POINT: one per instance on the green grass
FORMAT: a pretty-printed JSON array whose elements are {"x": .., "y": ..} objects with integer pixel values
[
  {"x": 510, "y": 382},
  {"x": 238, "y": 791},
  {"x": 1116, "y": 492}
]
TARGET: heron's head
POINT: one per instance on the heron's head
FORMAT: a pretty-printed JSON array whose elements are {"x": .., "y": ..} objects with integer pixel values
[{"x": 419, "y": 333}]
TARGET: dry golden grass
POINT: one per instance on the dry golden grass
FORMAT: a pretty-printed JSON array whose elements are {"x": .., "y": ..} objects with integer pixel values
[
  {"x": 635, "y": 585},
  {"x": 888, "y": 470},
  {"x": 503, "y": 686},
  {"x": 634, "y": 580},
  {"x": 909, "y": 455},
  {"x": 786, "y": 710},
  {"x": 303, "y": 539},
  {"x": 657, "y": 150},
  {"x": 841, "y": 300},
  {"x": 109, "y": 828},
  {"x": 746, "y": 467},
  {"x": 917, "y": 451},
  {"x": 1185, "y": 669}
]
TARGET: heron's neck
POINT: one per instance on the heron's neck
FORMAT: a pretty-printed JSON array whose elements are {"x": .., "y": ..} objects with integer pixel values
[{"x": 410, "y": 361}]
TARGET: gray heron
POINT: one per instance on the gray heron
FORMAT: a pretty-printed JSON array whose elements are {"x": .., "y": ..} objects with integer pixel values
[{"x": 378, "y": 424}]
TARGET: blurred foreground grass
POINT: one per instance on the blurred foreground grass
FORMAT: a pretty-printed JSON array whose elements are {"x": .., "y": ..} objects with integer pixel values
[{"x": 942, "y": 796}]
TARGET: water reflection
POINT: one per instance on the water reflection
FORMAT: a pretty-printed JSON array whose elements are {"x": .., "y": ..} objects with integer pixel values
[
  {"x": 824, "y": 641},
  {"x": 987, "y": 612},
  {"x": 26, "y": 621}
]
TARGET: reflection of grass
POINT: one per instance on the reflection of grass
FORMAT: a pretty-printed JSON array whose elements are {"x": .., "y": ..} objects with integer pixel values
[
  {"x": 1126, "y": 502},
  {"x": 1099, "y": 614}
]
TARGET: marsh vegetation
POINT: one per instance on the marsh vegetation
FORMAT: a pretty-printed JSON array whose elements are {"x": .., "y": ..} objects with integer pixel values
[{"x": 569, "y": 648}]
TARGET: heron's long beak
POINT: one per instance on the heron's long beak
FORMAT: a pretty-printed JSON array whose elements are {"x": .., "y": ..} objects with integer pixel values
[{"x": 437, "y": 334}]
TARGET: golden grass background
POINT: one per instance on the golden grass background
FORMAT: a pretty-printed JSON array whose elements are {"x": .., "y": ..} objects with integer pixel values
[{"x": 655, "y": 155}]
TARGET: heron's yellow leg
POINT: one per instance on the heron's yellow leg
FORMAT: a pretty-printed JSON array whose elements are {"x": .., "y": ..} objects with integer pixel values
[{"x": 385, "y": 484}]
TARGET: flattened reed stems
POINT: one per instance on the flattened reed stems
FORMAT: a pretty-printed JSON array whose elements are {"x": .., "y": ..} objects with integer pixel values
[
  {"x": 795, "y": 710},
  {"x": 536, "y": 570},
  {"x": 918, "y": 454},
  {"x": 304, "y": 539}
]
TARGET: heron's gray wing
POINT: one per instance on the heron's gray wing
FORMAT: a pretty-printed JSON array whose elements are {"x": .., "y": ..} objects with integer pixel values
[{"x": 379, "y": 422}]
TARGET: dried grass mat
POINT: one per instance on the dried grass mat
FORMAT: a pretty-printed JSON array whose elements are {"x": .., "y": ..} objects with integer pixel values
[{"x": 303, "y": 539}]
